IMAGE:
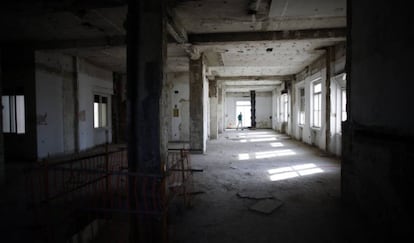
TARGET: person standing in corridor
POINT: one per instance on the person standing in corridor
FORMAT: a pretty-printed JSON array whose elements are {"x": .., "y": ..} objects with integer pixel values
[{"x": 240, "y": 121}]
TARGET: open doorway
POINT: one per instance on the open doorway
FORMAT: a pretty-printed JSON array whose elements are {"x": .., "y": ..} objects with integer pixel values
[{"x": 244, "y": 107}]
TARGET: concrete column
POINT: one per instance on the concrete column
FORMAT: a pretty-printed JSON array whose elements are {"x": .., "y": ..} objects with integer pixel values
[
  {"x": 197, "y": 133},
  {"x": 329, "y": 55},
  {"x": 146, "y": 56},
  {"x": 220, "y": 109},
  {"x": 253, "y": 108},
  {"x": 2, "y": 173},
  {"x": 146, "y": 61},
  {"x": 213, "y": 109}
]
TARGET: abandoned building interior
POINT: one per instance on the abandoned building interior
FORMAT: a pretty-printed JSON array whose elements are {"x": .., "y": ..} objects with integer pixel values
[{"x": 119, "y": 121}]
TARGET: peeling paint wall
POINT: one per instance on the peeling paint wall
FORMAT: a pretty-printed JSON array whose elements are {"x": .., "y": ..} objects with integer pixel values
[
  {"x": 55, "y": 103},
  {"x": 179, "y": 107},
  {"x": 93, "y": 81},
  {"x": 51, "y": 70}
]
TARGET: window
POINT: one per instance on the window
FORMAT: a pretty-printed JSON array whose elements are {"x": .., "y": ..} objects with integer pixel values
[
  {"x": 284, "y": 107},
  {"x": 100, "y": 111},
  {"x": 302, "y": 106},
  {"x": 317, "y": 104},
  {"x": 13, "y": 114},
  {"x": 343, "y": 105}
]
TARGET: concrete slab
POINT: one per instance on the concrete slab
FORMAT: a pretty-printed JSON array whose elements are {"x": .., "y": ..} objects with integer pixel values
[{"x": 266, "y": 206}]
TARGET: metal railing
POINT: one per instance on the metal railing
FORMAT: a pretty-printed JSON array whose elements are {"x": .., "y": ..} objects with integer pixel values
[{"x": 101, "y": 186}]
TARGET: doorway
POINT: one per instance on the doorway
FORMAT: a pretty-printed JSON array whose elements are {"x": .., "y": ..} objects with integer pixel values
[{"x": 244, "y": 107}]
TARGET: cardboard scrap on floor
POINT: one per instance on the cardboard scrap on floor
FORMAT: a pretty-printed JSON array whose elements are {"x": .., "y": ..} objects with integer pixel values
[
  {"x": 266, "y": 206},
  {"x": 255, "y": 195}
]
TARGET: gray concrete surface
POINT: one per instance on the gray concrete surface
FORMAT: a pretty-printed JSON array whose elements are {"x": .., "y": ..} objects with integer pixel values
[{"x": 247, "y": 161}]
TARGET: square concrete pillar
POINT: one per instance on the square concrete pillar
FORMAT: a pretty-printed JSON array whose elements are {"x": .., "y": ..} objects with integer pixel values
[
  {"x": 197, "y": 106},
  {"x": 147, "y": 143},
  {"x": 220, "y": 110},
  {"x": 213, "y": 109},
  {"x": 146, "y": 58}
]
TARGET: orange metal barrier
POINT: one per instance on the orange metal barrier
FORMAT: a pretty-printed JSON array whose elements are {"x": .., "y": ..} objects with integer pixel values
[{"x": 101, "y": 185}]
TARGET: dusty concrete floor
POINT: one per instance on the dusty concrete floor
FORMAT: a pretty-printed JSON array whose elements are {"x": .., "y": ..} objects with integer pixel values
[{"x": 261, "y": 160}]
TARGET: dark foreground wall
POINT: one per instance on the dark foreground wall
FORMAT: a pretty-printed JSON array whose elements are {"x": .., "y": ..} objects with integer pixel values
[
  {"x": 378, "y": 141},
  {"x": 18, "y": 78}
]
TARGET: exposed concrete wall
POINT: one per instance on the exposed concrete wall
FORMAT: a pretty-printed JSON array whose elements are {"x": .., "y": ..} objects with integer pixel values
[
  {"x": 57, "y": 76},
  {"x": 378, "y": 138},
  {"x": 55, "y": 103},
  {"x": 119, "y": 109},
  {"x": 307, "y": 132},
  {"x": 92, "y": 81},
  {"x": 50, "y": 71},
  {"x": 18, "y": 77},
  {"x": 179, "y": 90},
  {"x": 263, "y": 108}
]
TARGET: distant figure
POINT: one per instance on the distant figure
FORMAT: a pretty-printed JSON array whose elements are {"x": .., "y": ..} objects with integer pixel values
[{"x": 239, "y": 123}]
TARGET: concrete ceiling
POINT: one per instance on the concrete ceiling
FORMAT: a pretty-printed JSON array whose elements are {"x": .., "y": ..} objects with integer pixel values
[
  {"x": 234, "y": 16},
  {"x": 68, "y": 23}
]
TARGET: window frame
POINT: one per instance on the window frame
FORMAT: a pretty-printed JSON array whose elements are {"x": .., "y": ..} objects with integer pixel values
[
  {"x": 284, "y": 106},
  {"x": 343, "y": 105},
  {"x": 316, "y": 98},
  {"x": 16, "y": 113},
  {"x": 302, "y": 104},
  {"x": 100, "y": 111}
]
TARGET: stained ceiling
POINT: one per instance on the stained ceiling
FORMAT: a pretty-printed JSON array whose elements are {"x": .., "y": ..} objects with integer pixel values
[{"x": 227, "y": 52}]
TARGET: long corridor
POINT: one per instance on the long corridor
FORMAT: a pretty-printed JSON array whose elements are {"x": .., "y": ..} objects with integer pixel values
[{"x": 242, "y": 168}]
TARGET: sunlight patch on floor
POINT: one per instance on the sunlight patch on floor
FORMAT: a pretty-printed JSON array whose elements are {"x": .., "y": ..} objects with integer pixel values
[
  {"x": 266, "y": 154},
  {"x": 276, "y": 145},
  {"x": 287, "y": 172}
]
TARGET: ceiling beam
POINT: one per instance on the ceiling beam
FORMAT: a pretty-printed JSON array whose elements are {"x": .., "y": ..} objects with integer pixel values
[
  {"x": 255, "y": 78},
  {"x": 215, "y": 38},
  {"x": 231, "y": 88},
  {"x": 175, "y": 28}
]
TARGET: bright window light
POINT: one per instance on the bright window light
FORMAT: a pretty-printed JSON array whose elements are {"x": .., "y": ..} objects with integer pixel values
[
  {"x": 244, "y": 156},
  {"x": 262, "y": 139},
  {"x": 279, "y": 170},
  {"x": 270, "y": 154},
  {"x": 303, "y": 167},
  {"x": 243, "y": 141},
  {"x": 310, "y": 171},
  {"x": 276, "y": 145},
  {"x": 283, "y": 176},
  {"x": 287, "y": 172}
]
